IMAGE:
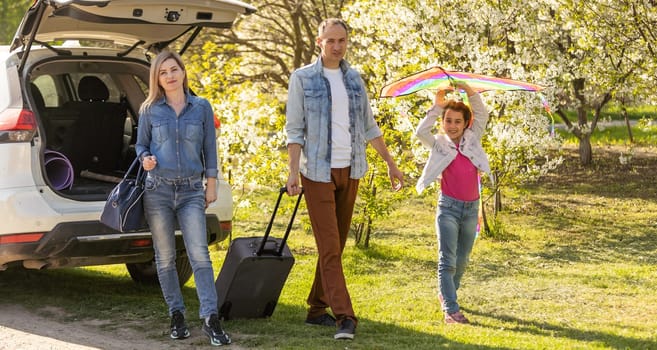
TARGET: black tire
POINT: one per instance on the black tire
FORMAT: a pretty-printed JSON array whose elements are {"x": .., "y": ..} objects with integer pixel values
[{"x": 146, "y": 273}]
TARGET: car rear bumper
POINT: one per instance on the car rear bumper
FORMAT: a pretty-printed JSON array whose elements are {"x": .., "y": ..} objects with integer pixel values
[{"x": 87, "y": 243}]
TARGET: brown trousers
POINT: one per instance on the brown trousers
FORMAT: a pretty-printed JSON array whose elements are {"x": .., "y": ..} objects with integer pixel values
[{"x": 330, "y": 208}]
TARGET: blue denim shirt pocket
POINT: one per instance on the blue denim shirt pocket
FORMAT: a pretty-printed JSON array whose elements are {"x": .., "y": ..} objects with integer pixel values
[
  {"x": 193, "y": 130},
  {"x": 312, "y": 100},
  {"x": 160, "y": 130},
  {"x": 356, "y": 94}
]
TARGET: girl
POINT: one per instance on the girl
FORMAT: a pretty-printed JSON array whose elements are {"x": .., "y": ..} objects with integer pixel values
[{"x": 456, "y": 157}]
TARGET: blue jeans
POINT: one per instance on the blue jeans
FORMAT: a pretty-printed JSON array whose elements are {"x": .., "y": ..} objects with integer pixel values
[
  {"x": 166, "y": 201},
  {"x": 456, "y": 225}
]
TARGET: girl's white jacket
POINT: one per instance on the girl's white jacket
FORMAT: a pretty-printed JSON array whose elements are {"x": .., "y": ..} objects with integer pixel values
[{"x": 443, "y": 150}]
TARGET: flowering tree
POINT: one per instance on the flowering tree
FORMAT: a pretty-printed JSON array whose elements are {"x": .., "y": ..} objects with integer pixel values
[
  {"x": 568, "y": 46},
  {"x": 464, "y": 35},
  {"x": 587, "y": 52},
  {"x": 519, "y": 145},
  {"x": 244, "y": 72}
]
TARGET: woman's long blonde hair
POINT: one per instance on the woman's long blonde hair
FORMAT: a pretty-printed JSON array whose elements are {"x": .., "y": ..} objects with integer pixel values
[{"x": 155, "y": 91}]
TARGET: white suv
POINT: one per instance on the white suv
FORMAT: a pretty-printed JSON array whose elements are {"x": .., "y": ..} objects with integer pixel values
[{"x": 71, "y": 84}]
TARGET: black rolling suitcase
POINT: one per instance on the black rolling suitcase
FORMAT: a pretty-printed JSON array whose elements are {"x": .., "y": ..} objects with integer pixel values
[{"x": 254, "y": 272}]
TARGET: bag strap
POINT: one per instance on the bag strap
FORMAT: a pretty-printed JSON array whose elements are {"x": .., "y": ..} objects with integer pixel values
[
  {"x": 141, "y": 173},
  {"x": 271, "y": 223}
]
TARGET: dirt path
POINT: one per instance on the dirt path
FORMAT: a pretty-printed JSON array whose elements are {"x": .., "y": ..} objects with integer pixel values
[{"x": 22, "y": 329}]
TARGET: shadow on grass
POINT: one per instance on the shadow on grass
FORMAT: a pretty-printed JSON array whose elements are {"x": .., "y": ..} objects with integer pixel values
[
  {"x": 598, "y": 213},
  {"x": 84, "y": 295},
  {"x": 376, "y": 257},
  {"x": 613, "y": 341},
  {"x": 597, "y": 238},
  {"x": 286, "y": 329},
  {"x": 606, "y": 176}
]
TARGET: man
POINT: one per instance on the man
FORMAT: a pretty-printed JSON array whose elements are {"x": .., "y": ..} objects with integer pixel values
[{"x": 329, "y": 122}]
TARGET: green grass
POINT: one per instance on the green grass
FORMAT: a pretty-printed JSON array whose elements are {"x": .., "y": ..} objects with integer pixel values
[
  {"x": 614, "y": 112},
  {"x": 643, "y": 135},
  {"x": 577, "y": 273}
]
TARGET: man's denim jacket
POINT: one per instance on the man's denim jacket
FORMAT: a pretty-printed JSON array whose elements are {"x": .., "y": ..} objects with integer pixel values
[
  {"x": 309, "y": 120},
  {"x": 443, "y": 149}
]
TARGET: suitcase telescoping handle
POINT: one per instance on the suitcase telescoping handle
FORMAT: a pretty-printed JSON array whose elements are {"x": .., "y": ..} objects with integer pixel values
[{"x": 271, "y": 223}]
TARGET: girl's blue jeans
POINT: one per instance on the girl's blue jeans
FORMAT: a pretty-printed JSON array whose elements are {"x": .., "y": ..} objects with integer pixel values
[
  {"x": 166, "y": 201},
  {"x": 456, "y": 225}
]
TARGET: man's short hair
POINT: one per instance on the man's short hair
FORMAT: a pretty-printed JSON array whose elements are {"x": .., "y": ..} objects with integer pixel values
[{"x": 329, "y": 22}]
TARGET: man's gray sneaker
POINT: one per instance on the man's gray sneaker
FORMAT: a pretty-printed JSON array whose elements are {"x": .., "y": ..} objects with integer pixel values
[
  {"x": 347, "y": 330},
  {"x": 179, "y": 328}
]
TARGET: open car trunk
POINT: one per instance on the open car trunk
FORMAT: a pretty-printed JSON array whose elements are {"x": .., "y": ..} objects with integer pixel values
[
  {"x": 87, "y": 107},
  {"x": 87, "y": 98}
]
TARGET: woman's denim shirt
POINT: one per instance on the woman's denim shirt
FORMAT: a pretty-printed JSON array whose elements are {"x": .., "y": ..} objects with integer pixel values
[
  {"x": 309, "y": 120},
  {"x": 443, "y": 149},
  {"x": 185, "y": 145}
]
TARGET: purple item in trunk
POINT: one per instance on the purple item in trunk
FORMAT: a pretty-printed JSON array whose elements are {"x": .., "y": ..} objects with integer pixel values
[{"x": 58, "y": 169}]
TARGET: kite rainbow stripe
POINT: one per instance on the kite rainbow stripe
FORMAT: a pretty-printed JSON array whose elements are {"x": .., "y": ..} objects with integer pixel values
[{"x": 439, "y": 78}]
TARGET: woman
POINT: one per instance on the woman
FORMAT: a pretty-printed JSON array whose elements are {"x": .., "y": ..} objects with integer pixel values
[
  {"x": 176, "y": 143},
  {"x": 456, "y": 157}
]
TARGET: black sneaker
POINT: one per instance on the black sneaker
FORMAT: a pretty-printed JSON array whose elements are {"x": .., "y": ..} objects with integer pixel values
[
  {"x": 213, "y": 329},
  {"x": 179, "y": 328},
  {"x": 346, "y": 330},
  {"x": 324, "y": 320}
]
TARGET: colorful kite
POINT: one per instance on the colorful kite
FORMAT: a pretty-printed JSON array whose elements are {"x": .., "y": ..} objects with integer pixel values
[{"x": 438, "y": 78}]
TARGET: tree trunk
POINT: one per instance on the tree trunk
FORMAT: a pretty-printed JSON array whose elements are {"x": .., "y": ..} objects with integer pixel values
[
  {"x": 486, "y": 228},
  {"x": 368, "y": 232},
  {"x": 584, "y": 135},
  {"x": 358, "y": 233},
  {"x": 369, "y": 216},
  {"x": 585, "y": 150},
  {"x": 497, "y": 197},
  {"x": 497, "y": 204},
  {"x": 627, "y": 122}
]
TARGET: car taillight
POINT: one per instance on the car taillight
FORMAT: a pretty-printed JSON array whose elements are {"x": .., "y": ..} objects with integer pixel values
[
  {"x": 145, "y": 242},
  {"x": 226, "y": 226},
  {"x": 21, "y": 238},
  {"x": 17, "y": 125}
]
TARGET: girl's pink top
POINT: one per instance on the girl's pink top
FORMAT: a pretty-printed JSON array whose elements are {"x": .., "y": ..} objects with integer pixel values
[{"x": 460, "y": 179}]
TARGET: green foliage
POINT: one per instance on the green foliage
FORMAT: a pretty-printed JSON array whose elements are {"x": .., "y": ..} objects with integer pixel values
[
  {"x": 519, "y": 150},
  {"x": 251, "y": 136},
  {"x": 498, "y": 232},
  {"x": 11, "y": 13},
  {"x": 644, "y": 133},
  {"x": 614, "y": 112},
  {"x": 245, "y": 71}
]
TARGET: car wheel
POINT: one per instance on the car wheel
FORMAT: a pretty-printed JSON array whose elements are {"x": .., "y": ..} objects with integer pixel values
[{"x": 146, "y": 273}]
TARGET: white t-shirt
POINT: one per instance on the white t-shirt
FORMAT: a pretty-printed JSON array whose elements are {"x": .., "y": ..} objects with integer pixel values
[{"x": 340, "y": 134}]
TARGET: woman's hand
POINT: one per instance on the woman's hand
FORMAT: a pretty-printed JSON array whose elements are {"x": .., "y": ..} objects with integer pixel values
[
  {"x": 149, "y": 163},
  {"x": 210, "y": 191}
]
